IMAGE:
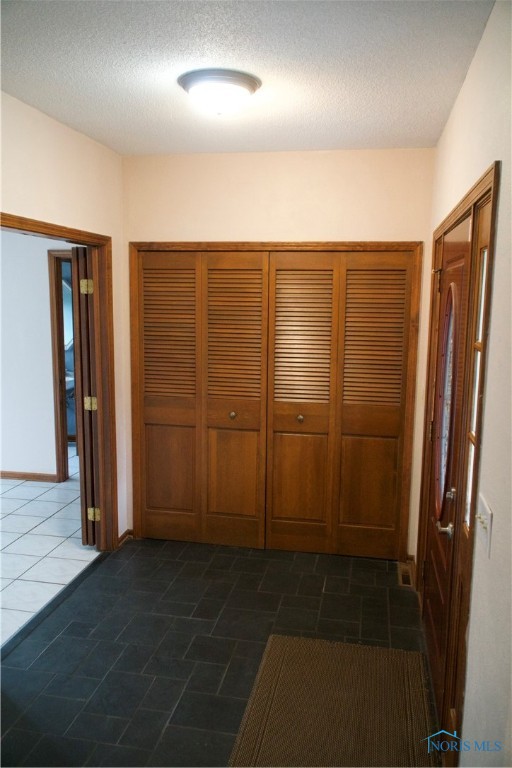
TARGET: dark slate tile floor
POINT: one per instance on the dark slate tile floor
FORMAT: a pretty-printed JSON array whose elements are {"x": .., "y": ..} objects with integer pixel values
[{"x": 150, "y": 660}]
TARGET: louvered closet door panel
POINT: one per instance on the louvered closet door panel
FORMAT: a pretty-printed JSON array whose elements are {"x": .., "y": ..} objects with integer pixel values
[
  {"x": 375, "y": 328},
  {"x": 235, "y": 316},
  {"x": 168, "y": 348},
  {"x": 303, "y": 318}
]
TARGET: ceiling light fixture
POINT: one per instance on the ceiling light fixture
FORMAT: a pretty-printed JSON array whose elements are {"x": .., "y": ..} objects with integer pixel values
[{"x": 220, "y": 91}]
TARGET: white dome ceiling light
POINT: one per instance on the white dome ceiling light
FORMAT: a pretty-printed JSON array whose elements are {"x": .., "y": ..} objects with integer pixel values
[{"x": 221, "y": 91}]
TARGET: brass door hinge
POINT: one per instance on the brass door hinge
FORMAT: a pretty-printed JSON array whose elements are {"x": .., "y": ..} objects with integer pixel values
[
  {"x": 90, "y": 404},
  {"x": 86, "y": 286},
  {"x": 93, "y": 514}
]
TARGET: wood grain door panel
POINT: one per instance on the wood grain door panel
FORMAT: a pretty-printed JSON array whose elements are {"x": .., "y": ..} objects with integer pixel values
[
  {"x": 235, "y": 313},
  {"x": 169, "y": 295},
  {"x": 299, "y": 491},
  {"x": 376, "y": 331},
  {"x": 304, "y": 290},
  {"x": 369, "y": 509},
  {"x": 233, "y": 457},
  {"x": 170, "y": 461}
]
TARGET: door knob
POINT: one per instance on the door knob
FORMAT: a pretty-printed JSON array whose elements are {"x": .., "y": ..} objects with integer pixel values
[
  {"x": 451, "y": 494},
  {"x": 448, "y": 530},
  {"x": 232, "y": 415},
  {"x": 300, "y": 418}
]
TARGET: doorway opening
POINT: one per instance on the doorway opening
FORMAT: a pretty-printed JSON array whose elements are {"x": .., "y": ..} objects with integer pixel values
[
  {"x": 48, "y": 516},
  {"x": 93, "y": 368}
]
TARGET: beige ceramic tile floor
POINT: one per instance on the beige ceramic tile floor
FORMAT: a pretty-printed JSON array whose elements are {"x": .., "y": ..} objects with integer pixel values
[{"x": 41, "y": 547}]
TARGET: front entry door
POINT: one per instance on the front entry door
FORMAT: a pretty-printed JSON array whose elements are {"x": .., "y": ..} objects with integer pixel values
[
  {"x": 453, "y": 275},
  {"x": 461, "y": 293}
]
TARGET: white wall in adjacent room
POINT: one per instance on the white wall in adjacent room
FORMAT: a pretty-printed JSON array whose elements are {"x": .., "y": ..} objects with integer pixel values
[{"x": 26, "y": 385}]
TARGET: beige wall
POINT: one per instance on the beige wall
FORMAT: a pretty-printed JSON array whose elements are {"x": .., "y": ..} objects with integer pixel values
[
  {"x": 336, "y": 195},
  {"x": 477, "y": 134},
  {"x": 290, "y": 196},
  {"x": 54, "y": 174}
]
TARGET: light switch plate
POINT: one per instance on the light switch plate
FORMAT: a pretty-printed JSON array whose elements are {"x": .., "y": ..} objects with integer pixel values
[{"x": 484, "y": 517}]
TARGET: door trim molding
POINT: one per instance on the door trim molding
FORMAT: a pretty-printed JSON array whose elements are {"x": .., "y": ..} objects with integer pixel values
[
  {"x": 55, "y": 259},
  {"x": 331, "y": 245},
  {"x": 101, "y": 248}
]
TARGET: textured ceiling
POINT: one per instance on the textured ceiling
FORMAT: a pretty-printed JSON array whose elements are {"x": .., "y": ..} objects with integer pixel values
[{"x": 336, "y": 74}]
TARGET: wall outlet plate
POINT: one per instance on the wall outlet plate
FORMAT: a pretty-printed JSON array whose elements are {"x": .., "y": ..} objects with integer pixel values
[{"x": 483, "y": 521}]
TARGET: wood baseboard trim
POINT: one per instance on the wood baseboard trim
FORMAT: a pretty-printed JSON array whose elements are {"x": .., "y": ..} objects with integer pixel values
[
  {"x": 34, "y": 476},
  {"x": 128, "y": 534}
]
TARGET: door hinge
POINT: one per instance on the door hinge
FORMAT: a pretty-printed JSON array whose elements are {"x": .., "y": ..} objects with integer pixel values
[
  {"x": 430, "y": 430},
  {"x": 86, "y": 286},
  {"x": 93, "y": 514},
  {"x": 438, "y": 272},
  {"x": 90, "y": 404}
]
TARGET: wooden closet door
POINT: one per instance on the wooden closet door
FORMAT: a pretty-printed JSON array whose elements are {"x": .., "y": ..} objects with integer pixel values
[
  {"x": 235, "y": 314},
  {"x": 167, "y": 473},
  {"x": 304, "y": 290},
  {"x": 378, "y": 323}
]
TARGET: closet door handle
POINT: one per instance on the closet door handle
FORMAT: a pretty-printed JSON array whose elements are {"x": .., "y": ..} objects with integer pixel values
[
  {"x": 232, "y": 415},
  {"x": 300, "y": 418}
]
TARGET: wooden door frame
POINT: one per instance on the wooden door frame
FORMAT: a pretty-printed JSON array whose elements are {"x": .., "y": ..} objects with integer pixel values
[
  {"x": 55, "y": 259},
  {"x": 485, "y": 188},
  {"x": 101, "y": 251},
  {"x": 416, "y": 249}
]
